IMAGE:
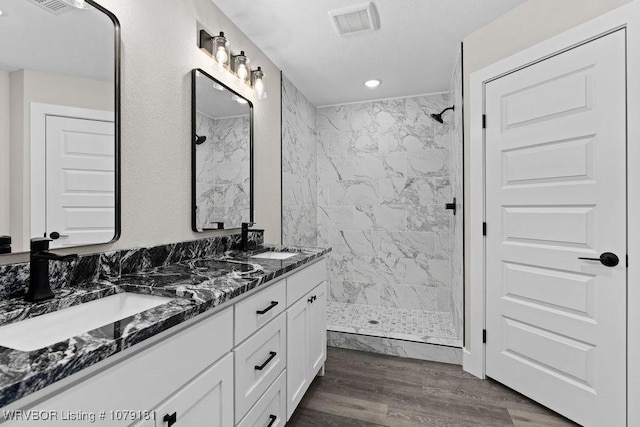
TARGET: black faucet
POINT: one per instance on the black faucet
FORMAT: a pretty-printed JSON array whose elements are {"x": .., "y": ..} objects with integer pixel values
[
  {"x": 244, "y": 238},
  {"x": 39, "y": 289}
]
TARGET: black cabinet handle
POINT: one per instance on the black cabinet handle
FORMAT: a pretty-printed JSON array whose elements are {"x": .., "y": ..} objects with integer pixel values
[
  {"x": 310, "y": 299},
  {"x": 607, "y": 258},
  {"x": 273, "y": 419},
  {"x": 170, "y": 419},
  {"x": 272, "y": 354},
  {"x": 273, "y": 304}
]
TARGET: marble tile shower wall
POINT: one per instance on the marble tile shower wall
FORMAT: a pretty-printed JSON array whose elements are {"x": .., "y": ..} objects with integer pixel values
[
  {"x": 222, "y": 165},
  {"x": 383, "y": 181},
  {"x": 456, "y": 176},
  {"x": 299, "y": 193},
  {"x": 87, "y": 269}
]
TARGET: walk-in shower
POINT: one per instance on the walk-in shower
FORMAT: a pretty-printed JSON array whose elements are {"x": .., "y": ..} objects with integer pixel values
[{"x": 375, "y": 181}]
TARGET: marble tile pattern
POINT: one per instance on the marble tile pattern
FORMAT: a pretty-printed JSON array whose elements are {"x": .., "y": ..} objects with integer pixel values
[
  {"x": 87, "y": 269},
  {"x": 222, "y": 171},
  {"x": 395, "y": 347},
  {"x": 456, "y": 274},
  {"x": 299, "y": 184},
  {"x": 195, "y": 286},
  {"x": 383, "y": 181},
  {"x": 404, "y": 324}
]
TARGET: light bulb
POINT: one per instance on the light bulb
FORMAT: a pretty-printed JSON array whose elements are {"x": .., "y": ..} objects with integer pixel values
[
  {"x": 79, "y": 4},
  {"x": 242, "y": 72},
  {"x": 221, "y": 56},
  {"x": 259, "y": 88}
]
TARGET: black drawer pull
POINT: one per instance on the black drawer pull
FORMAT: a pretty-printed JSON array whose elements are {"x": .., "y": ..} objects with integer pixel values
[
  {"x": 170, "y": 419},
  {"x": 272, "y": 354},
  {"x": 273, "y": 419},
  {"x": 273, "y": 304}
]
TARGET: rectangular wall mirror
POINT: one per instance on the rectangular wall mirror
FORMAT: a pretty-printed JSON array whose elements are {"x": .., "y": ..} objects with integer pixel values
[
  {"x": 222, "y": 148},
  {"x": 59, "y": 124}
]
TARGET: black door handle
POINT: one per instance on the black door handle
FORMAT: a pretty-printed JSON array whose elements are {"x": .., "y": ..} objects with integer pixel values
[
  {"x": 606, "y": 258},
  {"x": 273, "y": 419},
  {"x": 272, "y": 354},
  {"x": 170, "y": 419},
  {"x": 273, "y": 304}
]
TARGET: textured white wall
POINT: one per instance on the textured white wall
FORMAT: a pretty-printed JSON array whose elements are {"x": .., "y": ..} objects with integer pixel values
[
  {"x": 159, "y": 39},
  {"x": 526, "y": 25}
]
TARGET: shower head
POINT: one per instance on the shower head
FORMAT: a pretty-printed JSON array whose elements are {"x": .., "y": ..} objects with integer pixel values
[
  {"x": 438, "y": 117},
  {"x": 200, "y": 139}
]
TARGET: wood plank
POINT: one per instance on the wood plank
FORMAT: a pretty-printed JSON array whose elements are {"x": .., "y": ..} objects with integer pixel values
[
  {"x": 345, "y": 406},
  {"x": 534, "y": 419},
  {"x": 367, "y": 389}
]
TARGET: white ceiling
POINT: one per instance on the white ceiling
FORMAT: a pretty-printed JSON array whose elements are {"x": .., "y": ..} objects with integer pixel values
[
  {"x": 412, "y": 53},
  {"x": 78, "y": 43}
]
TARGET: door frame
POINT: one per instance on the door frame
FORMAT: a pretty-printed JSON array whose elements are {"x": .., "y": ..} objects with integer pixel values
[
  {"x": 37, "y": 138},
  {"x": 628, "y": 17}
]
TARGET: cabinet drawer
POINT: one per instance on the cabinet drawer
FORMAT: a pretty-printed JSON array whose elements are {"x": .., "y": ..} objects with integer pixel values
[
  {"x": 258, "y": 362},
  {"x": 256, "y": 311},
  {"x": 300, "y": 283},
  {"x": 271, "y": 409},
  {"x": 206, "y": 400}
]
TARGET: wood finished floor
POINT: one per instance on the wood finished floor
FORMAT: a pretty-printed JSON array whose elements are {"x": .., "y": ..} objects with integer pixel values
[{"x": 366, "y": 389}]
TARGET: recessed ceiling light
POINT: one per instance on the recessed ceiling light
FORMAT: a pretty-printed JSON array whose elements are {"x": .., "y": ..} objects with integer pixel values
[
  {"x": 372, "y": 83},
  {"x": 1, "y": 13}
]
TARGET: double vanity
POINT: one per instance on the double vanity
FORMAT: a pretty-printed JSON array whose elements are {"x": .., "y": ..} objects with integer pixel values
[
  {"x": 193, "y": 333},
  {"x": 234, "y": 339}
]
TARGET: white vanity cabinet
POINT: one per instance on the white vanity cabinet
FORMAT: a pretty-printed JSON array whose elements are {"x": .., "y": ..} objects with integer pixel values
[
  {"x": 207, "y": 400},
  {"x": 194, "y": 361},
  {"x": 247, "y": 365},
  {"x": 306, "y": 343}
]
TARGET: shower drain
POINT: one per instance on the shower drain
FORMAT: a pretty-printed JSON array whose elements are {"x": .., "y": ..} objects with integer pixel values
[{"x": 373, "y": 322}]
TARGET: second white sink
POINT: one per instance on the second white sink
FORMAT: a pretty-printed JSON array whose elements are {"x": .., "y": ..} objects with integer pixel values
[
  {"x": 41, "y": 331},
  {"x": 274, "y": 255}
]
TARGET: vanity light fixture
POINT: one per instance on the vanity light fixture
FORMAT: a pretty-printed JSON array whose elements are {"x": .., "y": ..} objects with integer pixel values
[
  {"x": 241, "y": 67},
  {"x": 218, "y": 48},
  {"x": 259, "y": 84},
  {"x": 372, "y": 83}
]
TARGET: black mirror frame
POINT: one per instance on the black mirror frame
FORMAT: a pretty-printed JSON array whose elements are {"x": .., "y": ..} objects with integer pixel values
[
  {"x": 194, "y": 74},
  {"x": 117, "y": 116},
  {"x": 117, "y": 51}
]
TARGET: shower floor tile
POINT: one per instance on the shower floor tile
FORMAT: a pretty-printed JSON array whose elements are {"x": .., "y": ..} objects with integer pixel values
[{"x": 390, "y": 322}]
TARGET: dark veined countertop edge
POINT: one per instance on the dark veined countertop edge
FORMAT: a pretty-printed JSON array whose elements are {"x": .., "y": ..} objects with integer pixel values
[{"x": 194, "y": 291}]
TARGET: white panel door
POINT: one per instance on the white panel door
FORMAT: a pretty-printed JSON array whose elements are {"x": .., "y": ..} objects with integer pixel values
[
  {"x": 555, "y": 192},
  {"x": 80, "y": 180}
]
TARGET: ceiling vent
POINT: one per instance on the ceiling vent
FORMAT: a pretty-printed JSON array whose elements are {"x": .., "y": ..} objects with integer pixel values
[
  {"x": 57, "y": 7},
  {"x": 356, "y": 19}
]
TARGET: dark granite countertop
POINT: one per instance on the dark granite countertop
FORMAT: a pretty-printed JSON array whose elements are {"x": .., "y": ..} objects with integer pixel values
[{"x": 195, "y": 286}]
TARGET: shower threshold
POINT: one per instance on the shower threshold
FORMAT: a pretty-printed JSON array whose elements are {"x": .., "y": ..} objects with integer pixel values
[{"x": 429, "y": 327}]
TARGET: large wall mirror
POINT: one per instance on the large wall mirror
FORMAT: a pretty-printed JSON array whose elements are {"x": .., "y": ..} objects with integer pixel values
[
  {"x": 222, "y": 155},
  {"x": 59, "y": 123}
]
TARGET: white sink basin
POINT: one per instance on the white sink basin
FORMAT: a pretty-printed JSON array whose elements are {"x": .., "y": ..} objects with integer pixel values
[
  {"x": 274, "y": 255},
  {"x": 38, "y": 332}
]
